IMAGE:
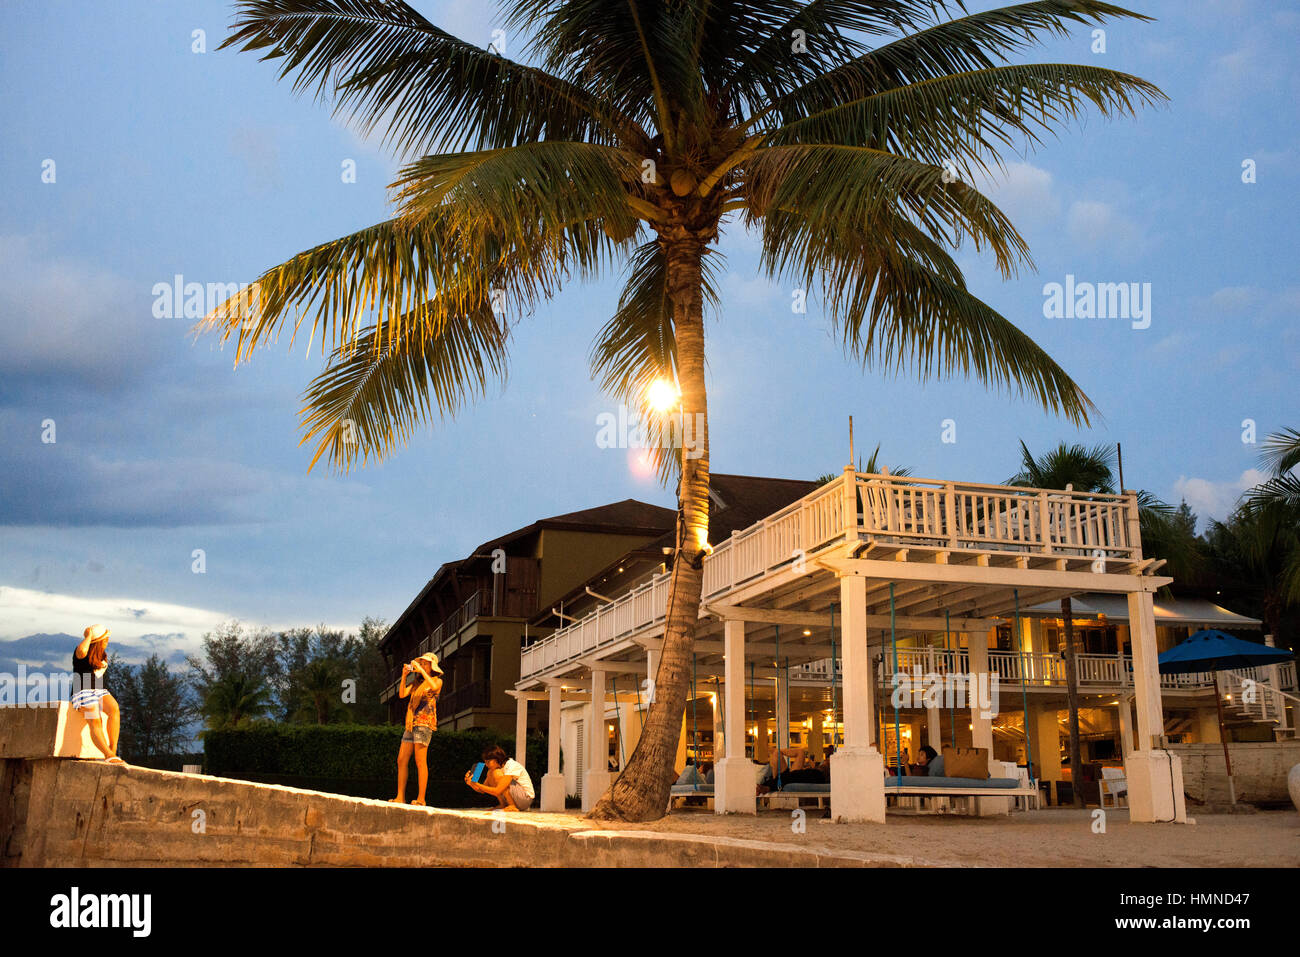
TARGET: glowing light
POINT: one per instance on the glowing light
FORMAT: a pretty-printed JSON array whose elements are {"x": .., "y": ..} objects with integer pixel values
[
  {"x": 662, "y": 395},
  {"x": 807, "y": 632}
]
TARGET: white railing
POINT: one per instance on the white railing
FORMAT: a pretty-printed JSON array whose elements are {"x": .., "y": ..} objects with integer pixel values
[
  {"x": 1094, "y": 671},
  {"x": 997, "y": 517},
  {"x": 899, "y": 509}
]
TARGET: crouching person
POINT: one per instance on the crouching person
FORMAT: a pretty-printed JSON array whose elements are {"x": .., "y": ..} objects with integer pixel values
[{"x": 507, "y": 781}]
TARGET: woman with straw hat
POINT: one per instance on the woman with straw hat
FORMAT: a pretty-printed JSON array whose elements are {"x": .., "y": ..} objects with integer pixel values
[
  {"x": 89, "y": 694},
  {"x": 421, "y": 682}
]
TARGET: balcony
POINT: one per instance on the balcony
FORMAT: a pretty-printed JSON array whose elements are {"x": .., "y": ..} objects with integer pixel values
[
  {"x": 1095, "y": 672},
  {"x": 476, "y": 694},
  {"x": 458, "y": 619},
  {"x": 964, "y": 523}
]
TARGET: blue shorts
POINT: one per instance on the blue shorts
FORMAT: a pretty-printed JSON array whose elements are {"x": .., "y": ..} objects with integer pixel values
[{"x": 420, "y": 736}]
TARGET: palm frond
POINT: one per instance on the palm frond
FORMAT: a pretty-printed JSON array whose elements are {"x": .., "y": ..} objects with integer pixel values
[
  {"x": 976, "y": 41},
  {"x": 1281, "y": 451},
  {"x": 371, "y": 397},
  {"x": 965, "y": 118},
  {"x": 838, "y": 190},
  {"x": 386, "y": 65},
  {"x": 637, "y": 346},
  {"x": 896, "y": 312}
]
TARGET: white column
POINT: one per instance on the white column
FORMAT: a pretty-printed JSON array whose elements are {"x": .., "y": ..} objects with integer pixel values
[
  {"x": 733, "y": 776},
  {"x": 977, "y": 656},
  {"x": 857, "y": 769},
  {"x": 933, "y": 729},
  {"x": 1125, "y": 725},
  {"x": 1155, "y": 775},
  {"x": 719, "y": 722},
  {"x": 596, "y": 780},
  {"x": 553, "y": 780},
  {"x": 521, "y": 730}
]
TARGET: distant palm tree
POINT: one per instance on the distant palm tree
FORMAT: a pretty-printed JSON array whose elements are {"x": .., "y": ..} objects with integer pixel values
[
  {"x": 645, "y": 126},
  {"x": 320, "y": 690},
  {"x": 235, "y": 699},
  {"x": 872, "y": 466}
]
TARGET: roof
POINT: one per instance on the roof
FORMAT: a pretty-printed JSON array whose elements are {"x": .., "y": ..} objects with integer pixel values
[
  {"x": 628, "y": 517},
  {"x": 738, "y": 501},
  {"x": 741, "y": 500},
  {"x": 1169, "y": 611}
]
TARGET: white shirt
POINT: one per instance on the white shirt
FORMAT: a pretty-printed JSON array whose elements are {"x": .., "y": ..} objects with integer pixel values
[{"x": 513, "y": 769}]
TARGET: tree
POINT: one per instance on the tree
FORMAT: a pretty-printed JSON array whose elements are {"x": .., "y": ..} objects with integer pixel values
[
  {"x": 235, "y": 676},
  {"x": 235, "y": 699},
  {"x": 636, "y": 127},
  {"x": 157, "y": 707}
]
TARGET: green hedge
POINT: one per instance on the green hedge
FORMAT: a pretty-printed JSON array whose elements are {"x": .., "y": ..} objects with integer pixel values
[{"x": 359, "y": 760}]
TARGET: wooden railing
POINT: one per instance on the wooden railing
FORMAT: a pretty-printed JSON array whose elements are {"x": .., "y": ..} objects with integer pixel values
[
  {"x": 898, "y": 509},
  {"x": 1094, "y": 671},
  {"x": 997, "y": 517}
]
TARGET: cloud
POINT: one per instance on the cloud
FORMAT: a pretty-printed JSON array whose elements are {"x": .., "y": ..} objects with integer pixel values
[
  {"x": 63, "y": 485},
  {"x": 1236, "y": 298},
  {"x": 1093, "y": 224},
  {"x": 164, "y": 627},
  {"x": 64, "y": 319},
  {"x": 1215, "y": 500},
  {"x": 1026, "y": 193}
]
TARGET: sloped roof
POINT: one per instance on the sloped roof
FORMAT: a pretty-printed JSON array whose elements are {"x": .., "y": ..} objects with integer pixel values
[
  {"x": 628, "y": 517},
  {"x": 1169, "y": 611}
]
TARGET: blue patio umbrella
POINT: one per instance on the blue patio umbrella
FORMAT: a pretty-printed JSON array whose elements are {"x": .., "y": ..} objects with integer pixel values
[{"x": 1214, "y": 651}]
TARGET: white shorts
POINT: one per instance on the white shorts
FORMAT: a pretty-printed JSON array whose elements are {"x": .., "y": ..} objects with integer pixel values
[{"x": 87, "y": 698}]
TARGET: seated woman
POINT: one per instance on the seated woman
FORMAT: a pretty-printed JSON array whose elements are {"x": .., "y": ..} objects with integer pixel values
[
  {"x": 932, "y": 761},
  {"x": 90, "y": 694}
]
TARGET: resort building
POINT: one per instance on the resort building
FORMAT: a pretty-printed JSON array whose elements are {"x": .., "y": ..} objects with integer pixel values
[
  {"x": 812, "y": 611},
  {"x": 475, "y": 613}
]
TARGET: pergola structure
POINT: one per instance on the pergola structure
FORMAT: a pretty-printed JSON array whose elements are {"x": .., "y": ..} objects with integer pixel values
[{"x": 864, "y": 557}]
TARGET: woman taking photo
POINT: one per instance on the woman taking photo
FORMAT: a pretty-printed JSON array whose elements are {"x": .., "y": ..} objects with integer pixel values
[{"x": 89, "y": 694}]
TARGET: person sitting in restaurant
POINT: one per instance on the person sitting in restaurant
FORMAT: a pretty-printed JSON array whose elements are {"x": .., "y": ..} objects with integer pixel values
[
  {"x": 932, "y": 761},
  {"x": 791, "y": 766}
]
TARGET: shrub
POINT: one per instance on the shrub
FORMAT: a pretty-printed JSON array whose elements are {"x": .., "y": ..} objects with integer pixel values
[{"x": 355, "y": 759}]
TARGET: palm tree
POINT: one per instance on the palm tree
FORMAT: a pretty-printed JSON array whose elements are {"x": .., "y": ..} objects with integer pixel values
[
  {"x": 846, "y": 132},
  {"x": 1082, "y": 469},
  {"x": 234, "y": 700},
  {"x": 873, "y": 465},
  {"x": 319, "y": 685}
]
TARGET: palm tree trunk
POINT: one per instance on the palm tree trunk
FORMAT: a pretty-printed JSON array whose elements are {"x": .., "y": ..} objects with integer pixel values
[
  {"x": 1072, "y": 701},
  {"x": 641, "y": 792}
]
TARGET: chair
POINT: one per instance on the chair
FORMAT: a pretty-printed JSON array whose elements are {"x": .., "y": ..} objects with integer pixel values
[{"x": 1115, "y": 783}]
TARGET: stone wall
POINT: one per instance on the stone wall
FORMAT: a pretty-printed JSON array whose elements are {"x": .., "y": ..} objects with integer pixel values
[
  {"x": 62, "y": 812},
  {"x": 1259, "y": 771}
]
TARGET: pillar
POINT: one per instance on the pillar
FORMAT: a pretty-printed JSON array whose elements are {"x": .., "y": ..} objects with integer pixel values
[
  {"x": 595, "y": 782},
  {"x": 1126, "y": 726},
  {"x": 553, "y": 780},
  {"x": 1207, "y": 726},
  {"x": 1155, "y": 774},
  {"x": 857, "y": 769},
  {"x": 816, "y": 740},
  {"x": 733, "y": 775},
  {"x": 1045, "y": 727},
  {"x": 761, "y": 750},
  {"x": 521, "y": 730},
  {"x": 719, "y": 732},
  {"x": 977, "y": 655},
  {"x": 934, "y": 729}
]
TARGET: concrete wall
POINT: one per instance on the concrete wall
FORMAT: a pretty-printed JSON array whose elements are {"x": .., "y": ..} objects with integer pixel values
[
  {"x": 58, "y": 812},
  {"x": 1258, "y": 771}
]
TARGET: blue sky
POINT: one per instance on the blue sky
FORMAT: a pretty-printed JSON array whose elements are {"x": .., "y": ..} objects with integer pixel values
[{"x": 173, "y": 162}]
